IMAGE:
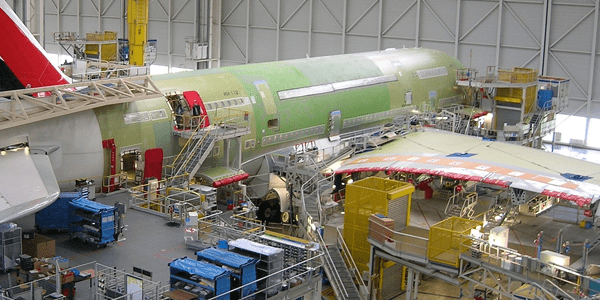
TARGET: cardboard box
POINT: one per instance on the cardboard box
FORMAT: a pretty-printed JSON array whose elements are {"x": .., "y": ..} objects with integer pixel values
[
  {"x": 45, "y": 269},
  {"x": 66, "y": 277},
  {"x": 40, "y": 246}
]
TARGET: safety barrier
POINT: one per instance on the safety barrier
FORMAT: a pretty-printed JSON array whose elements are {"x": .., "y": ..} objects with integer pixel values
[
  {"x": 527, "y": 268},
  {"x": 399, "y": 242}
]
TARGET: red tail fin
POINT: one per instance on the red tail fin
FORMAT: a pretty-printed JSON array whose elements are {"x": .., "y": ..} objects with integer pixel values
[{"x": 21, "y": 52}]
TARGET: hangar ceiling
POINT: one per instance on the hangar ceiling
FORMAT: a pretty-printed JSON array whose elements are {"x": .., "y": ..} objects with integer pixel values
[{"x": 558, "y": 37}]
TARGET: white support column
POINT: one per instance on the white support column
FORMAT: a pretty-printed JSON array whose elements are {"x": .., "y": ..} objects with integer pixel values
[
  {"x": 214, "y": 39},
  {"x": 457, "y": 28},
  {"x": 416, "y": 282},
  {"x": 58, "y": 18},
  {"x": 380, "y": 25},
  {"x": 587, "y": 129},
  {"x": 547, "y": 20},
  {"x": 278, "y": 33},
  {"x": 499, "y": 34},
  {"x": 247, "y": 31},
  {"x": 41, "y": 11},
  {"x": 122, "y": 26},
  {"x": 310, "y": 25},
  {"x": 592, "y": 62},
  {"x": 418, "y": 23},
  {"x": 169, "y": 36},
  {"x": 226, "y": 149},
  {"x": 99, "y": 16},
  {"x": 344, "y": 22},
  {"x": 409, "y": 285},
  {"x": 79, "y": 31}
]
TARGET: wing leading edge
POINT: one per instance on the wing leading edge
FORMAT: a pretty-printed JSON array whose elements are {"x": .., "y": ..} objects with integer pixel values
[{"x": 470, "y": 158}]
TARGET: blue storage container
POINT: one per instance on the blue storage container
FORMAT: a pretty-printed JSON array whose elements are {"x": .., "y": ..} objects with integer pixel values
[
  {"x": 56, "y": 215},
  {"x": 245, "y": 265},
  {"x": 200, "y": 278},
  {"x": 545, "y": 99},
  {"x": 92, "y": 221}
]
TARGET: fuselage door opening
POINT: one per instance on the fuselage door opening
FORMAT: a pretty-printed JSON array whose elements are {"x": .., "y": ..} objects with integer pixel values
[
  {"x": 199, "y": 114},
  {"x": 335, "y": 125},
  {"x": 131, "y": 161},
  {"x": 188, "y": 109}
]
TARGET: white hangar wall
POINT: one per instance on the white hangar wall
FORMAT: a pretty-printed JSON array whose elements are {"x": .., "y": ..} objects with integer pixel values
[{"x": 558, "y": 37}]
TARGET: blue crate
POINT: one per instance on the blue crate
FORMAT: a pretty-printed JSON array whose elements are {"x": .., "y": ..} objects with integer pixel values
[{"x": 56, "y": 215}]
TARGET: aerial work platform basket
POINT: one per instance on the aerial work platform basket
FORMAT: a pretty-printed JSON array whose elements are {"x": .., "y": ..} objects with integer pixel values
[{"x": 448, "y": 239}]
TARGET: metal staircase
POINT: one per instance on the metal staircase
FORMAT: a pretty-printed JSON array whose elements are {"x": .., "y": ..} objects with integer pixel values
[
  {"x": 334, "y": 265},
  {"x": 462, "y": 206},
  {"x": 200, "y": 143},
  {"x": 351, "y": 291},
  {"x": 191, "y": 157}
]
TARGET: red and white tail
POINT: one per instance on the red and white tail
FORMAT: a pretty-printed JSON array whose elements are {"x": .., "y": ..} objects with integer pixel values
[{"x": 24, "y": 63}]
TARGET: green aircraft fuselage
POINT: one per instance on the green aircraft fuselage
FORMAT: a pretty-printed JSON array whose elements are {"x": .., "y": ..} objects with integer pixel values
[{"x": 290, "y": 102}]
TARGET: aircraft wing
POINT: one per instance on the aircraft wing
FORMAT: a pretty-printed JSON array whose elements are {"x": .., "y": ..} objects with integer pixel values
[
  {"x": 471, "y": 158},
  {"x": 28, "y": 184}
]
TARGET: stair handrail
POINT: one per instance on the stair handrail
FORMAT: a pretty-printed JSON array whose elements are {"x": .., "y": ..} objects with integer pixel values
[
  {"x": 337, "y": 279},
  {"x": 199, "y": 143},
  {"x": 451, "y": 203},
  {"x": 302, "y": 188},
  {"x": 468, "y": 204},
  {"x": 338, "y": 285},
  {"x": 554, "y": 285},
  {"x": 346, "y": 254},
  {"x": 187, "y": 143}
]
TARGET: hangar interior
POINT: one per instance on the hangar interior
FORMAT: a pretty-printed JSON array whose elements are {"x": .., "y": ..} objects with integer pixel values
[{"x": 370, "y": 233}]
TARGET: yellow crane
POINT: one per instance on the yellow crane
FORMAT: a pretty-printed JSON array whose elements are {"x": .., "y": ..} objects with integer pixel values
[{"x": 137, "y": 19}]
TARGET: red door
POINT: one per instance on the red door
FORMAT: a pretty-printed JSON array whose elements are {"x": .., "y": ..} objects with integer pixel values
[{"x": 193, "y": 99}]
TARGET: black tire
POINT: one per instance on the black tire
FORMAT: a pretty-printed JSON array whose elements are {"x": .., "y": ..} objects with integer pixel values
[
  {"x": 276, "y": 214},
  {"x": 265, "y": 211}
]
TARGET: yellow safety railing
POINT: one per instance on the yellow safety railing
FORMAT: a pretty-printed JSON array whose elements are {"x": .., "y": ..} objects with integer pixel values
[
  {"x": 112, "y": 183},
  {"x": 143, "y": 197}
]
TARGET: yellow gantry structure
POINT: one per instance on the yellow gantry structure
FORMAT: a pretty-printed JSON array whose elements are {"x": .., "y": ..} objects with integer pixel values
[{"x": 137, "y": 19}]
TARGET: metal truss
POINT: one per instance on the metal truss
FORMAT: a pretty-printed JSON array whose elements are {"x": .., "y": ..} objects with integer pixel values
[{"x": 21, "y": 107}]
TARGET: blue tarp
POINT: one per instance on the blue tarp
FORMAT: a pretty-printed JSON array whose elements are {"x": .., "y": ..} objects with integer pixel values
[
  {"x": 227, "y": 258},
  {"x": 92, "y": 206},
  {"x": 56, "y": 215},
  {"x": 199, "y": 268}
]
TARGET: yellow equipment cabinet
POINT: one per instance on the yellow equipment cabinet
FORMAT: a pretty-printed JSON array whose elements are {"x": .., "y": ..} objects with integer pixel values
[
  {"x": 448, "y": 239},
  {"x": 369, "y": 196},
  {"x": 525, "y": 92},
  {"x": 102, "y": 45}
]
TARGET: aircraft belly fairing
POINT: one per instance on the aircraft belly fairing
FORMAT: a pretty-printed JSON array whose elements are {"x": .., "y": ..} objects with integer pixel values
[{"x": 470, "y": 158}]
